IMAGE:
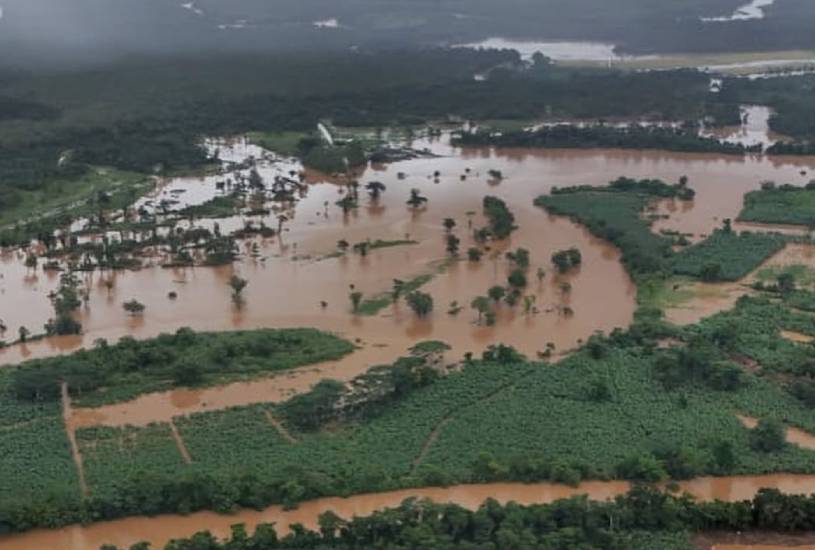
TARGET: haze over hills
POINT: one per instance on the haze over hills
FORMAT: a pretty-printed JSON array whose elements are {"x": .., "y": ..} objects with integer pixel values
[{"x": 59, "y": 32}]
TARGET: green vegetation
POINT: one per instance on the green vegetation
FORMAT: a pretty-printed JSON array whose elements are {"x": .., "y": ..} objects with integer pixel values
[
  {"x": 333, "y": 159},
  {"x": 37, "y": 473},
  {"x": 501, "y": 220},
  {"x": 116, "y": 116},
  {"x": 685, "y": 140},
  {"x": 374, "y": 305},
  {"x": 221, "y": 206},
  {"x": 119, "y": 372},
  {"x": 676, "y": 408},
  {"x": 786, "y": 204},
  {"x": 616, "y": 213},
  {"x": 26, "y": 212},
  {"x": 282, "y": 142},
  {"x": 728, "y": 256}
]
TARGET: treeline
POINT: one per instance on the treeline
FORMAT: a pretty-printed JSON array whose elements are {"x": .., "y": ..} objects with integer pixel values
[
  {"x": 686, "y": 140},
  {"x": 186, "y": 358},
  {"x": 639, "y": 519}
]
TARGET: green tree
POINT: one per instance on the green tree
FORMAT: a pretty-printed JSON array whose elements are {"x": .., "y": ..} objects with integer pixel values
[
  {"x": 416, "y": 199},
  {"x": 134, "y": 307},
  {"x": 482, "y": 305},
  {"x": 420, "y": 302},
  {"x": 496, "y": 293},
  {"x": 375, "y": 189},
  {"x": 517, "y": 279},
  {"x": 187, "y": 372},
  {"x": 452, "y": 244},
  {"x": 768, "y": 436},
  {"x": 356, "y": 300},
  {"x": 237, "y": 284}
]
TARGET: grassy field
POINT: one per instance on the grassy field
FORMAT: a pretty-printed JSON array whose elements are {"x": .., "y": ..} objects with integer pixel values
[
  {"x": 792, "y": 206},
  {"x": 735, "y": 254},
  {"x": 282, "y": 143},
  {"x": 77, "y": 198}
]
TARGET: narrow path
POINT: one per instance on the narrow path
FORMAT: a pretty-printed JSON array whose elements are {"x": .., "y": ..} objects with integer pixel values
[
  {"x": 434, "y": 435},
  {"x": 436, "y": 432},
  {"x": 71, "y": 433},
  {"x": 281, "y": 429},
  {"x": 179, "y": 442}
]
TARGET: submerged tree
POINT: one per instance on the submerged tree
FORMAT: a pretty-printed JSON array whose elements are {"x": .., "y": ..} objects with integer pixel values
[
  {"x": 356, "y": 300},
  {"x": 237, "y": 284},
  {"x": 134, "y": 307},
  {"x": 375, "y": 189},
  {"x": 420, "y": 302},
  {"x": 482, "y": 305},
  {"x": 452, "y": 245},
  {"x": 416, "y": 199}
]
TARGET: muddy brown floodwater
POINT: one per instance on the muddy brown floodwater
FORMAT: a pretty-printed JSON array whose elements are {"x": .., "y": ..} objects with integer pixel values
[
  {"x": 293, "y": 275},
  {"x": 159, "y": 530}
]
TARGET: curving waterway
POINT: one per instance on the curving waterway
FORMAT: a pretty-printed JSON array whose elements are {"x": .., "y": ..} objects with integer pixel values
[{"x": 161, "y": 529}]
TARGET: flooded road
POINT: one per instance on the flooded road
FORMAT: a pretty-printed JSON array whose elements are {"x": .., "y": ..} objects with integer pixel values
[{"x": 159, "y": 530}]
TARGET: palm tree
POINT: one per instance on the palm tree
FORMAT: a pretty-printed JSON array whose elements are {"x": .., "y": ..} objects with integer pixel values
[
  {"x": 375, "y": 189},
  {"x": 416, "y": 199},
  {"x": 281, "y": 219}
]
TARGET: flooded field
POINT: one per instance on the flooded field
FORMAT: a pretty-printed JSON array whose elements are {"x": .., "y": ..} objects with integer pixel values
[
  {"x": 292, "y": 275},
  {"x": 706, "y": 299},
  {"x": 161, "y": 529}
]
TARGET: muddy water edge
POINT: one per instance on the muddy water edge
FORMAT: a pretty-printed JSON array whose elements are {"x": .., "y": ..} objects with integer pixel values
[{"x": 161, "y": 529}]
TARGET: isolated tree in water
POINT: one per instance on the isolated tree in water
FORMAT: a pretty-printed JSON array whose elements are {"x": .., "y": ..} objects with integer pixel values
[
  {"x": 482, "y": 305},
  {"x": 281, "y": 219},
  {"x": 452, "y": 245},
  {"x": 375, "y": 189},
  {"x": 416, "y": 199},
  {"x": 134, "y": 307},
  {"x": 356, "y": 299},
  {"x": 420, "y": 302},
  {"x": 237, "y": 284}
]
